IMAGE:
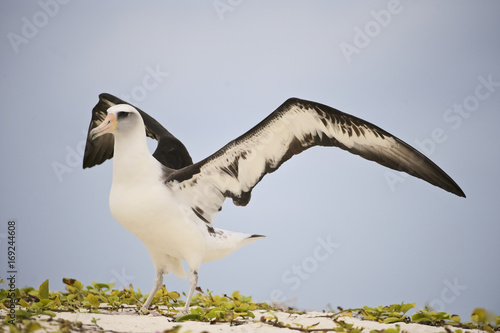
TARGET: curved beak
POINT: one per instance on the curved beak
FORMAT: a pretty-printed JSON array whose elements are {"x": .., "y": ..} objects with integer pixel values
[{"x": 107, "y": 126}]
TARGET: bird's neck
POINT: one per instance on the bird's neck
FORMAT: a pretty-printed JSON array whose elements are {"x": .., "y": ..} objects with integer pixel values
[{"x": 132, "y": 160}]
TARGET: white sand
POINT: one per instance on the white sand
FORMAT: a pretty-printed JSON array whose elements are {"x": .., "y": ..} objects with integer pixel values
[{"x": 129, "y": 321}]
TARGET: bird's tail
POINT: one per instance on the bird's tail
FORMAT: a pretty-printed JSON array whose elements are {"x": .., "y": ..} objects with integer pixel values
[{"x": 222, "y": 242}]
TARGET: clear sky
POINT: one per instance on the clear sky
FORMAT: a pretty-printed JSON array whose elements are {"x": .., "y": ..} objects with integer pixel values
[{"x": 341, "y": 230}]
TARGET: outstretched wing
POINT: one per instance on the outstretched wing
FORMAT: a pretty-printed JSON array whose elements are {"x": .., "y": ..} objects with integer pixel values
[
  {"x": 170, "y": 151},
  {"x": 296, "y": 125}
]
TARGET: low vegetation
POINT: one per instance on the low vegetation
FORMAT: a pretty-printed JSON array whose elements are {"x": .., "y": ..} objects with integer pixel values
[{"x": 32, "y": 306}]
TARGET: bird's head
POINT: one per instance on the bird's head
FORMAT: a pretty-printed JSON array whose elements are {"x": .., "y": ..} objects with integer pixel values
[{"x": 120, "y": 118}]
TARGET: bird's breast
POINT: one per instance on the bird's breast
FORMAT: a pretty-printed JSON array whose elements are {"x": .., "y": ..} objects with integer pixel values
[{"x": 155, "y": 215}]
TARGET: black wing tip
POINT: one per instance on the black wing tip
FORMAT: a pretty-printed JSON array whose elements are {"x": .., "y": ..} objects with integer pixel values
[
  {"x": 109, "y": 97},
  {"x": 296, "y": 101},
  {"x": 443, "y": 181},
  {"x": 112, "y": 100},
  {"x": 447, "y": 183},
  {"x": 89, "y": 164},
  {"x": 449, "y": 186},
  {"x": 458, "y": 191}
]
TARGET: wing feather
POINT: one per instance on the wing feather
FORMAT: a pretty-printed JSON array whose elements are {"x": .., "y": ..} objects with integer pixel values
[
  {"x": 170, "y": 151},
  {"x": 295, "y": 126}
]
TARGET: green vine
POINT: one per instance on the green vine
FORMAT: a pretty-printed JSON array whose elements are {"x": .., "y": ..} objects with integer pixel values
[{"x": 33, "y": 306}]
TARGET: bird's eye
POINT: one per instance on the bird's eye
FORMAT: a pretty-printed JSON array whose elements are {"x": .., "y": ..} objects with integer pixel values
[{"x": 122, "y": 114}]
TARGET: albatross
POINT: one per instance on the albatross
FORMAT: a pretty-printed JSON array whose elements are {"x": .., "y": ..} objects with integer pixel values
[{"x": 170, "y": 203}]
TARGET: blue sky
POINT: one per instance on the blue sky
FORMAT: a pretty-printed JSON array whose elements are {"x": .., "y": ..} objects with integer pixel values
[{"x": 341, "y": 230}]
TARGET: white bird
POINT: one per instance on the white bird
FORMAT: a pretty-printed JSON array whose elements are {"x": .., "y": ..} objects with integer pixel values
[{"x": 170, "y": 203}]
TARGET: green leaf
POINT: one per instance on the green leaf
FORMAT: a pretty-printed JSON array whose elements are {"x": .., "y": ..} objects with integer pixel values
[
  {"x": 43, "y": 291},
  {"x": 46, "y": 302},
  {"x": 344, "y": 325},
  {"x": 33, "y": 292},
  {"x": 390, "y": 320},
  {"x": 242, "y": 308},
  {"x": 24, "y": 304},
  {"x": 191, "y": 316},
  {"x": 216, "y": 313},
  {"x": 48, "y": 313},
  {"x": 174, "y": 329},
  {"x": 101, "y": 286},
  {"x": 23, "y": 314},
  {"x": 407, "y": 307},
  {"x": 197, "y": 311},
  {"x": 393, "y": 330},
  {"x": 73, "y": 285},
  {"x": 32, "y": 327},
  {"x": 93, "y": 300},
  {"x": 478, "y": 315},
  {"x": 174, "y": 295}
]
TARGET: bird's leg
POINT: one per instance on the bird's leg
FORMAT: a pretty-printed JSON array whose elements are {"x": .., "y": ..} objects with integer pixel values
[
  {"x": 193, "y": 282},
  {"x": 157, "y": 285}
]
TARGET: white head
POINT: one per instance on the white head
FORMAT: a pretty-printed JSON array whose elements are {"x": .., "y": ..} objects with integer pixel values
[{"x": 121, "y": 118}]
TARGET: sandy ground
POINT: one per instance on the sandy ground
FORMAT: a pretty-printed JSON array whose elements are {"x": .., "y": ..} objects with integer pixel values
[{"x": 129, "y": 321}]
